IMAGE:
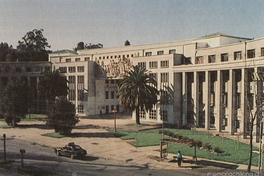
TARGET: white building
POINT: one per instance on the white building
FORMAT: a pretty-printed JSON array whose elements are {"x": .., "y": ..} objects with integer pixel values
[{"x": 216, "y": 79}]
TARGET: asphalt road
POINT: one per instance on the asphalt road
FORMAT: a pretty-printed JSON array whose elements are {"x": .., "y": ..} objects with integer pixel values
[{"x": 45, "y": 158}]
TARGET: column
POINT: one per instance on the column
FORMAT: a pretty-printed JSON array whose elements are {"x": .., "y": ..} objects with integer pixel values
[
  {"x": 184, "y": 100},
  {"x": 218, "y": 104},
  {"x": 243, "y": 104},
  {"x": 196, "y": 98},
  {"x": 231, "y": 101},
  {"x": 206, "y": 96}
]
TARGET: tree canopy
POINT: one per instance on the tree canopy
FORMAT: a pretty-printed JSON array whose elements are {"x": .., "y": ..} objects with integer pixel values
[
  {"x": 53, "y": 84},
  {"x": 15, "y": 101},
  {"x": 137, "y": 90}
]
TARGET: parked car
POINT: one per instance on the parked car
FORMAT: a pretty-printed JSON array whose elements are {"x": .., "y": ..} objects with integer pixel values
[{"x": 71, "y": 150}]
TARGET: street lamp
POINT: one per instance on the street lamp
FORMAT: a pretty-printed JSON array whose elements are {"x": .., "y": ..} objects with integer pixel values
[{"x": 114, "y": 118}]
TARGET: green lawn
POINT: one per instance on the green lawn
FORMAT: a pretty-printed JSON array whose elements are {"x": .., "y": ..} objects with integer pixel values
[{"x": 238, "y": 152}]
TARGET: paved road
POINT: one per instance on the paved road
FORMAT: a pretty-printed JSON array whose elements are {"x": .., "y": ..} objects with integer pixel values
[{"x": 107, "y": 155}]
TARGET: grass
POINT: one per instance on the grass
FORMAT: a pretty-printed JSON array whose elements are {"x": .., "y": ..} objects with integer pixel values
[
  {"x": 238, "y": 151},
  {"x": 3, "y": 162},
  {"x": 31, "y": 170}
]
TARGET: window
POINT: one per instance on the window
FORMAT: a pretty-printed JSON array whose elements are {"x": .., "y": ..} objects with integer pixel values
[
  {"x": 238, "y": 100},
  {"x": 71, "y": 87},
  {"x": 224, "y": 99},
  {"x": 172, "y": 51},
  {"x": 87, "y": 58},
  {"x": 142, "y": 113},
  {"x": 224, "y": 57},
  {"x": 80, "y": 68},
  {"x": 153, "y": 64},
  {"x": 71, "y": 69},
  {"x": 237, "y": 55},
  {"x": 80, "y": 109},
  {"x": 211, "y": 58},
  {"x": 160, "y": 52},
  {"x": 77, "y": 59},
  {"x": 164, "y": 77},
  {"x": 262, "y": 51},
  {"x": 164, "y": 64},
  {"x": 28, "y": 69},
  {"x": 106, "y": 95},
  {"x": 63, "y": 69},
  {"x": 251, "y": 53},
  {"x": 68, "y": 59},
  {"x": 112, "y": 81},
  {"x": 148, "y": 53},
  {"x": 153, "y": 114},
  {"x": 142, "y": 64},
  {"x": 164, "y": 115},
  {"x": 112, "y": 94},
  {"x": 154, "y": 75},
  {"x": 80, "y": 79},
  {"x": 18, "y": 69},
  {"x": 199, "y": 60}
]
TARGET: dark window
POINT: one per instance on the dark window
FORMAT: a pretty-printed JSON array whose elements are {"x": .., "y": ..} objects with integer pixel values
[
  {"x": 160, "y": 52},
  {"x": 224, "y": 57},
  {"x": 237, "y": 55},
  {"x": 106, "y": 95},
  {"x": 211, "y": 58},
  {"x": 251, "y": 53}
]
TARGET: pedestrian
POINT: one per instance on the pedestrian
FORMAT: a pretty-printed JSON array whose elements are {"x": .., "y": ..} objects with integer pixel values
[{"x": 179, "y": 157}]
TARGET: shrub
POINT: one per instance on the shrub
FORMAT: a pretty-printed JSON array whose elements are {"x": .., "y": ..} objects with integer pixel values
[
  {"x": 216, "y": 150},
  {"x": 198, "y": 143},
  {"x": 206, "y": 146}
]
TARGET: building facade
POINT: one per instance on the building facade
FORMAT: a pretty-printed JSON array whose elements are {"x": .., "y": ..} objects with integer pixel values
[
  {"x": 216, "y": 80},
  {"x": 31, "y": 73}
]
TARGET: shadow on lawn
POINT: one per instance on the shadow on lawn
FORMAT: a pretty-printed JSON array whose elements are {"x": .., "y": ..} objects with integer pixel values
[
  {"x": 44, "y": 126},
  {"x": 95, "y": 135}
]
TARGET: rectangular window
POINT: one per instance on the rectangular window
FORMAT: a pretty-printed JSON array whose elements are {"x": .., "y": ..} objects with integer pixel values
[
  {"x": 211, "y": 59},
  {"x": 71, "y": 69},
  {"x": 238, "y": 100},
  {"x": 71, "y": 86},
  {"x": 142, "y": 64},
  {"x": 106, "y": 95},
  {"x": 80, "y": 109},
  {"x": 112, "y": 94},
  {"x": 224, "y": 57},
  {"x": 262, "y": 51},
  {"x": 164, "y": 64},
  {"x": 153, "y": 114},
  {"x": 153, "y": 64},
  {"x": 77, "y": 59},
  {"x": 172, "y": 51},
  {"x": 63, "y": 69},
  {"x": 80, "y": 79},
  {"x": 160, "y": 52},
  {"x": 164, "y": 77},
  {"x": 68, "y": 59},
  {"x": 142, "y": 113},
  {"x": 87, "y": 58},
  {"x": 18, "y": 69},
  {"x": 148, "y": 53},
  {"x": 28, "y": 69},
  {"x": 164, "y": 115},
  {"x": 154, "y": 75},
  {"x": 80, "y": 68},
  {"x": 199, "y": 60},
  {"x": 237, "y": 55},
  {"x": 251, "y": 53}
]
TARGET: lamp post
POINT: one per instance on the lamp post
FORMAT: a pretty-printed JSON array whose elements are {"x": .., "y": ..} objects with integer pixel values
[{"x": 114, "y": 118}]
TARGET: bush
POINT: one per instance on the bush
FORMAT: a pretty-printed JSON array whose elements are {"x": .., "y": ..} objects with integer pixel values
[
  {"x": 206, "y": 146},
  {"x": 216, "y": 150},
  {"x": 62, "y": 116},
  {"x": 198, "y": 143}
]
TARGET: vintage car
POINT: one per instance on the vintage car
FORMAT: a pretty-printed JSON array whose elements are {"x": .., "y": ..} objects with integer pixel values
[{"x": 71, "y": 150}]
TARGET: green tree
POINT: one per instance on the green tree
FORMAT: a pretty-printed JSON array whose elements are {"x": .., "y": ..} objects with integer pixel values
[
  {"x": 80, "y": 46},
  {"x": 15, "y": 101},
  {"x": 53, "y": 84},
  {"x": 33, "y": 46},
  {"x": 62, "y": 116},
  {"x": 137, "y": 89},
  {"x": 127, "y": 43}
]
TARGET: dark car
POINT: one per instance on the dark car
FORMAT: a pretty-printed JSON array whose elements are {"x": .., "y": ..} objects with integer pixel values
[{"x": 71, "y": 150}]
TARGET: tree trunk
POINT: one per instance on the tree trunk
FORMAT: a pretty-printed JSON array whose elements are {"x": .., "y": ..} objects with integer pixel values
[
  {"x": 250, "y": 147},
  {"x": 137, "y": 115}
]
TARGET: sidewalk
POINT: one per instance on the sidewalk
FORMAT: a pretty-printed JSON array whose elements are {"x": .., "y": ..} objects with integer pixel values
[{"x": 93, "y": 136}]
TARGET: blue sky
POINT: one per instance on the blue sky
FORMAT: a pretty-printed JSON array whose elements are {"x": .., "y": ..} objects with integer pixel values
[{"x": 112, "y": 22}]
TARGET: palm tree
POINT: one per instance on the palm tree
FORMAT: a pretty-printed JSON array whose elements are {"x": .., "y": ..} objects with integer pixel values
[
  {"x": 53, "y": 84},
  {"x": 137, "y": 89}
]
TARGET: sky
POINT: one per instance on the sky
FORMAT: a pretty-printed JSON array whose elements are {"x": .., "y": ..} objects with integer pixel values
[{"x": 112, "y": 22}]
